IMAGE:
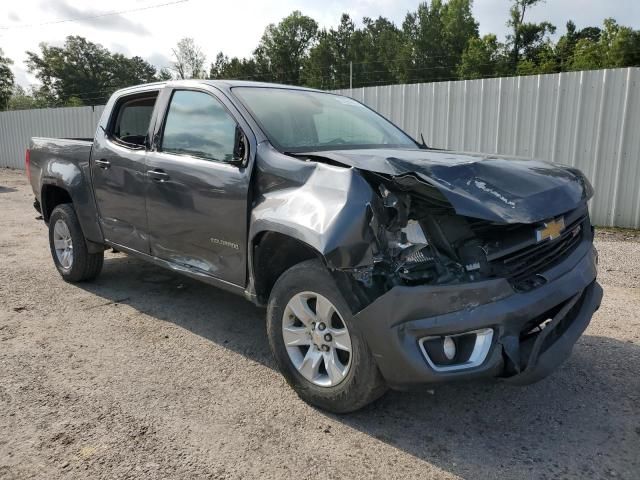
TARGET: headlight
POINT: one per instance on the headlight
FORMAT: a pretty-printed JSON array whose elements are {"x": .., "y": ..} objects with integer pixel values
[{"x": 414, "y": 233}]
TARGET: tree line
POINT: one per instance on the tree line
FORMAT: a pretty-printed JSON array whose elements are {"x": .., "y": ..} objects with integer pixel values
[{"x": 438, "y": 41}]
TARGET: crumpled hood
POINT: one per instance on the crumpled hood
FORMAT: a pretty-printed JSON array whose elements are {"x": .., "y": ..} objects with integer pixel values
[{"x": 484, "y": 187}]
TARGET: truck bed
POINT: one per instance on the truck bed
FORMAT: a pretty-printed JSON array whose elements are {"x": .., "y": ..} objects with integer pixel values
[{"x": 56, "y": 157}]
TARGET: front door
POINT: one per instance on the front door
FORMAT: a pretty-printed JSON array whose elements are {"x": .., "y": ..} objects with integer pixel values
[
  {"x": 118, "y": 171},
  {"x": 196, "y": 197}
]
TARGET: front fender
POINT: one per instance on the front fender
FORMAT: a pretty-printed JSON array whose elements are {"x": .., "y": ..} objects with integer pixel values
[{"x": 331, "y": 210}]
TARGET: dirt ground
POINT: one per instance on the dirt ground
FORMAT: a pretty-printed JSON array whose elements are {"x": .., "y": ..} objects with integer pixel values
[{"x": 145, "y": 374}]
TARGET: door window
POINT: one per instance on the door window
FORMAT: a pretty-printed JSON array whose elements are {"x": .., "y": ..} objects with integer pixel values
[
  {"x": 132, "y": 120},
  {"x": 197, "y": 124}
]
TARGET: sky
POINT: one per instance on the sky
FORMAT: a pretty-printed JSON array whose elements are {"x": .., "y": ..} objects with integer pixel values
[{"x": 151, "y": 28}]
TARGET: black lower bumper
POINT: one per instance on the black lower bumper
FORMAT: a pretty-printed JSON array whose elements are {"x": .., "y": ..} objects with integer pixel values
[{"x": 394, "y": 324}]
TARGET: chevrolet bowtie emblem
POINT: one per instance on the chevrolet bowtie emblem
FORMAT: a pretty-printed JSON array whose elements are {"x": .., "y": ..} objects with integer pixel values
[{"x": 552, "y": 229}]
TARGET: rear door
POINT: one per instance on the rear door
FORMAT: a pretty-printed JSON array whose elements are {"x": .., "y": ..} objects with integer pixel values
[
  {"x": 118, "y": 171},
  {"x": 197, "y": 196}
]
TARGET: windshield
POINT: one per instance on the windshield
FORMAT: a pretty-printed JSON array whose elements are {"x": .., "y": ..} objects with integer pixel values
[{"x": 299, "y": 120}]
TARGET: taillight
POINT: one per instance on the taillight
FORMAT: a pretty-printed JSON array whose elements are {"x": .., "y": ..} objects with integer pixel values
[{"x": 27, "y": 163}]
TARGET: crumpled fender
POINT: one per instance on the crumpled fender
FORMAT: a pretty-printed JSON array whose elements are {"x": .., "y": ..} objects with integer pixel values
[{"x": 330, "y": 208}]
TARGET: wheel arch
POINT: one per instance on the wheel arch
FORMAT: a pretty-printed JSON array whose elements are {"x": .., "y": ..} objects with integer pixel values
[
  {"x": 51, "y": 196},
  {"x": 272, "y": 253}
]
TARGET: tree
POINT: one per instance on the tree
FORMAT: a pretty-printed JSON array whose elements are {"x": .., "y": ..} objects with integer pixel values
[
  {"x": 126, "y": 72},
  {"x": 375, "y": 52},
  {"x": 234, "y": 68},
  {"x": 82, "y": 72},
  {"x": 460, "y": 27},
  {"x": 342, "y": 49},
  {"x": 319, "y": 69},
  {"x": 284, "y": 47},
  {"x": 437, "y": 36},
  {"x": 567, "y": 43},
  {"x": 163, "y": 75},
  {"x": 426, "y": 54},
  {"x": 527, "y": 40},
  {"x": 615, "y": 46},
  {"x": 483, "y": 58},
  {"x": 19, "y": 99},
  {"x": 6, "y": 80},
  {"x": 77, "y": 69},
  {"x": 189, "y": 60},
  {"x": 328, "y": 62}
]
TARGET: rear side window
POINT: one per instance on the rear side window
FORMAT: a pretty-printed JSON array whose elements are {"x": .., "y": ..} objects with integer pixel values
[
  {"x": 131, "y": 124},
  {"x": 197, "y": 124}
]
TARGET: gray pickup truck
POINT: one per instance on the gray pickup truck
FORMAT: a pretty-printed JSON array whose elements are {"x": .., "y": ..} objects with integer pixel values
[{"x": 382, "y": 262}]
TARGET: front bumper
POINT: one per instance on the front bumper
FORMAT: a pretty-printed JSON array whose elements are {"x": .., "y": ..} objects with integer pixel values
[{"x": 395, "y": 322}]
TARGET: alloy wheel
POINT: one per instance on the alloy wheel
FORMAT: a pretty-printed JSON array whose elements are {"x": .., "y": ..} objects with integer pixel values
[
  {"x": 63, "y": 244},
  {"x": 317, "y": 339}
]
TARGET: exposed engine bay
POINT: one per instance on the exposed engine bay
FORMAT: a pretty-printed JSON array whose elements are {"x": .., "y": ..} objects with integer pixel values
[{"x": 420, "y": 240}]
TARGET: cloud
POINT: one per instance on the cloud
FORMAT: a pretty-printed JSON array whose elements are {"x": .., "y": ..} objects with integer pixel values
[
  {"x": 22, "y": 76},
  {"x": 119, "y": 48},
  {"x": 158, "y": 60},
  {"x": 101, "y": 20}
]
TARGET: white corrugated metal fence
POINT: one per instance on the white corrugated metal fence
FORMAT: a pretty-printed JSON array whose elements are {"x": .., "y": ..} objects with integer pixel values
[
  {"x": 585, "y": 119},
  {"x": 17, "y": 128},
  {"x": 588, "y": 119}
]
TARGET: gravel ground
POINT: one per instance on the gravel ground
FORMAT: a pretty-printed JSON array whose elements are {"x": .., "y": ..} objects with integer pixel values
[{"x": 145, "y": 374}]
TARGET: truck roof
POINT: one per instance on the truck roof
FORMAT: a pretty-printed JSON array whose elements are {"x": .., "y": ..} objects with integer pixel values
[{"x": 224, "y": 84}]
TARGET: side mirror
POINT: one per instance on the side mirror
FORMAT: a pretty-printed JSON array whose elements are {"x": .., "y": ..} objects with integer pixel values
[{"x": 240, "y": 148}]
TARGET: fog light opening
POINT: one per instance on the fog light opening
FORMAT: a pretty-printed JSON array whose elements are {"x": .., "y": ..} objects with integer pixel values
[
  {"x": 447, "y": 353},
  {"x": 449, "y": 348}
]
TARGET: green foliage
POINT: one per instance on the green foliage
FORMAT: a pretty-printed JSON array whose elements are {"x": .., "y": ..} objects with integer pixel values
[
  {"x": 164, "y": 75},
  {"x": 484, "y": 57},
  {"x": 319, "y": 69},
  {"x": 19, "y": 100},
  {"x": 436, "y": 37},
  {"x": 528, "y": 42},
  {"x": 284, "y": 47},
  {"x": 234, "y": 68},
  {"x": 375, "y": 50},
  {"x": 6, "y": 80},
  {"x": 438, "y": 41},
  {"x": 615, "y": 46},
  {"x": 84, "y": 73}
]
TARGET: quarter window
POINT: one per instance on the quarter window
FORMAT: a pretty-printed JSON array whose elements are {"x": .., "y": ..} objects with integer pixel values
[{"x": 197, "y": 124}]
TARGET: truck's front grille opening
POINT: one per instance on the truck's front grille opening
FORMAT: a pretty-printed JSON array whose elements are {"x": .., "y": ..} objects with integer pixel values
[{"x": 523, "y": 266}]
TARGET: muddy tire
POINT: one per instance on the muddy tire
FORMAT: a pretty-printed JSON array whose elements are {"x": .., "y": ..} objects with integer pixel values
[
  {"x": 69, "y": 248},
  {"x": 315, "y": 344}
]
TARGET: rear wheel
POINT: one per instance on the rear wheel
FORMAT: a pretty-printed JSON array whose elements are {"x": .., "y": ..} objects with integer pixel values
[
  {"x": 69, "y": 248},
  {"x": 314, "y": 342}
]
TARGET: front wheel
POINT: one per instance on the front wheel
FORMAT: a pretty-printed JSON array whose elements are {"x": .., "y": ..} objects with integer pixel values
[
  {"x": 69, "y": 248},
  {"x": 313, "y": 340}
]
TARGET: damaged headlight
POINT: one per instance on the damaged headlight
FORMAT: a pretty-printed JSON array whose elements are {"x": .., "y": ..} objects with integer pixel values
[
  {"x": 407, "y": 241},
  {"x": 413, "y": 254},
  {"x": 414, "y": 233}
]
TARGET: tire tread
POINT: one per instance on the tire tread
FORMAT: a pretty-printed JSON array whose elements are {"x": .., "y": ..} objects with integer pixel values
[
  {"x": 86, "y": 266},
  {"x": 363, "y": 384}
]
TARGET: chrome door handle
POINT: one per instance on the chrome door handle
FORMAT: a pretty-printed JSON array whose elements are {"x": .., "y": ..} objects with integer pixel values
[
  {"x": 103, "y": 163},
  {"x": 158, "y": 175}
]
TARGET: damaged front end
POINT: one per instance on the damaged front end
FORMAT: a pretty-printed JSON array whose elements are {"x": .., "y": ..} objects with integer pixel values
[
  {"x": 469, "y": 296},
  {"x": 421, "y": 240},
  {"x": 453, "y": 267}
]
